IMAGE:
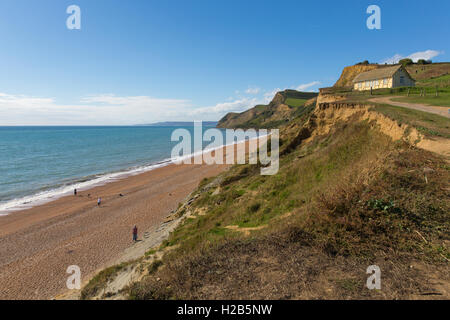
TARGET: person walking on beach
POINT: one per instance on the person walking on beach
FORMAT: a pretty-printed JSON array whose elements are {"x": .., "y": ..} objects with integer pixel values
[
  {"x": 75, "y": 192},
  {"x": 135, "y": 234},
  {"x": 99, "y": 201}
]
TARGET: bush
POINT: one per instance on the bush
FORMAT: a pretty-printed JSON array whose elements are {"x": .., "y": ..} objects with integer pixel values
[
  {"x": 100, "y": 281},
  {"x": 154, "y": 266},
  {"x": 423, "y": 61},
  {"x": 406, "y": 62},
  {"x": 254, "y": 207}
]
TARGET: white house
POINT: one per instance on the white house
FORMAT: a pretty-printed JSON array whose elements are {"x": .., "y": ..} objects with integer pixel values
[{"x": 383, "y": 77}]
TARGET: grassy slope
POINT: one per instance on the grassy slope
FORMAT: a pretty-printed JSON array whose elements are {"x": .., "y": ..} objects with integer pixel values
[
  {"x": 293, "y": 102},
  {"x": 429, "y": 71},
  {"x": 269, "y": 116},
  {"x": 429, "y": 86},
  {"x": 427, "y": 123},
  {"x": 441, "y": 81},
  {"x": 338, "y": 204},
  {"x": 428, "y": 77}
]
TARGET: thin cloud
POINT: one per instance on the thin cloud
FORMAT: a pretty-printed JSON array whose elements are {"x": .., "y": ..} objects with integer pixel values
[
  {"x": 223, "y": 108},
  {"x": 268, "y": 96},
  {"x": 253, "y": 90},
  {"x": 426, "y": 55},
  {"x": 93, "y": 110},
  {"x": 108, "y": 109},
  {"x": 306, "y": 86},
  {"x": 145, "y": 101}
]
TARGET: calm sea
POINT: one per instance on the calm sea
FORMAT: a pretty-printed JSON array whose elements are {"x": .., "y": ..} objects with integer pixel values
[{"x": 38, "y": 164}]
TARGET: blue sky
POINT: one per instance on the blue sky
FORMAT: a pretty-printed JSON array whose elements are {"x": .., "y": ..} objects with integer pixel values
[{"x": 143, "y": 61}]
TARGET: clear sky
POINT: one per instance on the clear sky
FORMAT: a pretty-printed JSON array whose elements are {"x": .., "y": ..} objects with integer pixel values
[{"x": 142, "y": 61}]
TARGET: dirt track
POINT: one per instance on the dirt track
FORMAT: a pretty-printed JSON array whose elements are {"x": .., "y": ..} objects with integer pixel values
[{"x": 442, "y": 111}]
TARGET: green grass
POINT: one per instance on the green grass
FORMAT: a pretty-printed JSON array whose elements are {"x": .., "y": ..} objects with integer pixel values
[
  {"x": 430, "y": 98},
  {"x": 440, "y": 101},
  {"x": 265, "y": 116},
  {"x": 427, "y": 123},
  {"x": 99, "y": 282},
  {"x": 349, "y": 284},
  {"x": 350, "y": 196},
  {"x": 344, "y": 199},
  {"x": 248, "y": 199},
  {"x": 443, "y": 98},
  {"x": 293, "y": 102},
  {"x": 154, "y": 266},
  {"x": 254, "y": 200},
  {"x": 150, "y": 252},
  {"x": 442, "y": 81}
]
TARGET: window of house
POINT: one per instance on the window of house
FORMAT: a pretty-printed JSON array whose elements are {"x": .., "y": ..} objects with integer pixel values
[
  {"x": 385, "y": 81},
  {"x": 360, "y": 85},
  {"x": 402, "y": 79}
]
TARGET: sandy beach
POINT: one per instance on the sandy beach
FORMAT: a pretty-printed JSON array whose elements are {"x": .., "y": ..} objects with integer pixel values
[{"x": 37, "y": 245}]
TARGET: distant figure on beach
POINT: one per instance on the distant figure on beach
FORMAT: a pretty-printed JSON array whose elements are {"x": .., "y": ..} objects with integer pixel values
[
  {"x": 75, "y": 192},
  {"x": 135, "y": 234},
  {"x": 99, "y": 201}
]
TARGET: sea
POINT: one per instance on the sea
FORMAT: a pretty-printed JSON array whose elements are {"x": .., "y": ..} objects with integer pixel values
[{"x": 41, "y": 164}]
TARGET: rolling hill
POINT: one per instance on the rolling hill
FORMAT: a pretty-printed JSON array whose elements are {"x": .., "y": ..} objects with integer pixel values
[{"x": 284, "y": 106}]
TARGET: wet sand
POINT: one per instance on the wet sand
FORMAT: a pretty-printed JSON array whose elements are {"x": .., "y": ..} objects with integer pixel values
[{"x": 37, "y": 245}]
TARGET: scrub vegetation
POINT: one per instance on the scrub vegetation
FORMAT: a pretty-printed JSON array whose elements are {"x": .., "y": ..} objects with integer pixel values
[
  {"x": 346, "y": 196},
  {"x": 339, "y": 203}
]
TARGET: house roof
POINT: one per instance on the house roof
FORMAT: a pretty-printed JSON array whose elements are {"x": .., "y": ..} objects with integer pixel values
[{"x": 376, "y": 74}]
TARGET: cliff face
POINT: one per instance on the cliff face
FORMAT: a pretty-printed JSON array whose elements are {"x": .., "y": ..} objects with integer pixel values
[
  {"x": 349, "y": 73},
  {"x": 234, "y": 120},
  {"x": 346, "y": 169},
  {"x": 417, "y": 71},
  {"x": 283, "y": 107}
]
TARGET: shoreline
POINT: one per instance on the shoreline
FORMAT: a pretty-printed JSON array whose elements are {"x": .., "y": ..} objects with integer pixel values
[
  {"x": 86, "y": 183},
  {"x": 38, "y": 244},
  {"x": 81, "y": 184}
]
